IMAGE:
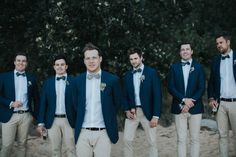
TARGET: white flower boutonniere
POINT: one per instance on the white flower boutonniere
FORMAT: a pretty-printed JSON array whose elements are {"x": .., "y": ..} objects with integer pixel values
[
  {"x": 234, "y": 62},
  {"x": 29, "y": 83},
  {"x": 142, "y": 78},
  {"x": 102, "y": 86},
  {"x": 191, "y": 69},
  {"x": 67, "y": 83}
]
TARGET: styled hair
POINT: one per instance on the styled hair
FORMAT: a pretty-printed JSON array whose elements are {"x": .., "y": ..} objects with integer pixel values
[
  {"x": 60, "y": 56},
  {"x": 91, "y": 46},
  {"x": 20, "y": 54},
  {"x": 185, "y": 43},
  {"x": 134, "y": 50},
  {"x": 223, "y": 34}
]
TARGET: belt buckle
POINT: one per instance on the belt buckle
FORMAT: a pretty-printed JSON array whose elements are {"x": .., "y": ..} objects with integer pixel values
[{"x": 21, "y": 111}]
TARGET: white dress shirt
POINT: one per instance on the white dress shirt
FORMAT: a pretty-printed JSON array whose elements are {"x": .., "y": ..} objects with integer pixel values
[
  {"x": 228, "y": 85},
  {"x": 137, "y": 82},
  {"x": 93, "y": 110},
  {"x": 21, "y": 91},
  {"x": 186, "y": 69},
  {"x": 60, "y": 95}
]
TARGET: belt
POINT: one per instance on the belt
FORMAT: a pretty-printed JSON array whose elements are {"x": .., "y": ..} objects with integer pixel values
[
  {"x": 94, "y": 129},
  {"x": 21, "y": 111},
  {"x": 228, "y": 99},
  {"x": 60, "y": 115}
]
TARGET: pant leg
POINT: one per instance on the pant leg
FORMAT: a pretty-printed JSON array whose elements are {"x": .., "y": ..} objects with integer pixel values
[
  {"x": 22, "y": 132},
  {"x": 232, "y": 119},
  {"x": 223, "y": 127},
  {"x": 129, "y": 134},
  {"x": 151, "y": 135},
  {"x": 194, "y": 129},
  {"x": 181, "y": 128},
  {"x": 83, "y": 146},
  {"x": 55, "y": 136},
  {"x": 8, "y": 135},
  {"x": 102, "y": 146},
  {"x": 68, "y": 138}
]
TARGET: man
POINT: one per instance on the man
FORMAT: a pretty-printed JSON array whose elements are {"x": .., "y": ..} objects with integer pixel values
[
  {"x": 143, "y": 93},
  {"x": 186, "y": 83},
  {"x": 98, "y": 94},
  {"x": 18, "y": 103},
  {"x": 222, "y": 91},
  {"x": 56, "y": 110}
]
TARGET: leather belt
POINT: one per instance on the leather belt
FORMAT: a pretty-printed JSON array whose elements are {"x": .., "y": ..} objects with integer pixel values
[
  {"x": 228, "y": 99},
  {"x": 21, "y": 111},
  {"x": 60, "y": 115},
  {"x": 94, "y": 129}
]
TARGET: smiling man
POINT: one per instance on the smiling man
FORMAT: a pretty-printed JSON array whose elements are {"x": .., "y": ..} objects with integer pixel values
[
  {"x": 142, "y": 90},
  {"x": 18, "y": 103},
  {"x": 186, "y": 84},
  {"x": 56, "y": 112},
  {"x": 98, "y": 96}
]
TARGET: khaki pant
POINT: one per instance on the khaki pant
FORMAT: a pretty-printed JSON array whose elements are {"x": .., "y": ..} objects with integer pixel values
[
  {"x": 93, "y": 144},
  {"x": 181, "y": 122},
  {"x": 61, "y": 133},
  {"x": 18, "y": 124},
  {"x": 129, "y": 134},
  {"x": 226, "y": 116}
]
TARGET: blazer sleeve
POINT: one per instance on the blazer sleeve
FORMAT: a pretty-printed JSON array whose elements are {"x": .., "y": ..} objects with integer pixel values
[
  {"x": 42, "y": 104},
  {"x": 171, "y": 85},
  {"x": 157, "y": 94}
]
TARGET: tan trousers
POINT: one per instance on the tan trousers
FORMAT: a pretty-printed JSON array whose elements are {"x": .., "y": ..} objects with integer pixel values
[
  {"x": 61, "y": 133},
  {"x": 129, "y": 134},
  {"x": 181, "y": 122},
  {"x": 93, "y": 144},
  {"x": 17, "y": 125},
  {"x": 226, "y": 116}
]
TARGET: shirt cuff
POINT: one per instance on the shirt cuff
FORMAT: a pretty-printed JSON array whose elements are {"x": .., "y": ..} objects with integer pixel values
[
  {"x": 41, "y": 124},
  {"x": 10, "y": 106},
  {"x": 156, "y": 117}
]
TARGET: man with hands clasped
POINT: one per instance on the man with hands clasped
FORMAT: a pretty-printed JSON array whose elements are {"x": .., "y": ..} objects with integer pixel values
[{"x": 186, "y": 83}]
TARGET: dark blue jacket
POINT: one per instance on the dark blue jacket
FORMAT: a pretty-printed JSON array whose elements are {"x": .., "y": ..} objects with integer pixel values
[{"x": 195, "y": 87}]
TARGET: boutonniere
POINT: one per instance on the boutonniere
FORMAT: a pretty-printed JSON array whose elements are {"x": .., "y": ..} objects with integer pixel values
[
  {"x": 102, "y": 86},
  {"x": 67, "y": 83},
  {"x": 191, "y": 69},
  {"x": 29, "y": 83},
  {"x": 234, "y": 62},
  {"x": 142, "y": 78}
]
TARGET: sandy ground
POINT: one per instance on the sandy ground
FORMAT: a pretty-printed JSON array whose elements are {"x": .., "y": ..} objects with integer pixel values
[{"x": 37, "y": 147}]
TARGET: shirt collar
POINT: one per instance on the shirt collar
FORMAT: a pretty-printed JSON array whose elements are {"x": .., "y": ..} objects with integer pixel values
[{"x": 141, "y": 67}]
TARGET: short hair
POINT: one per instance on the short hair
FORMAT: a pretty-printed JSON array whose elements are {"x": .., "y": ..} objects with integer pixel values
[
  {"x": 60, "y": 56},
  {"x": 91, "y": 46},
  {"x": 21, "y": 54},
  {"x": 223, "y": 34},
  {"x": 185, "y": 43},
  {"x": 134, "y": 50}
]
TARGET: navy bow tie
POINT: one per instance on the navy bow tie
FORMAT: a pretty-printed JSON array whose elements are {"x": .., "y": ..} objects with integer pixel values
[
  {"x": 90, "y": 76},
  {"x": 185, "y": 63},
  {"x": 20, "y": 74},
  {"x": 224, "y": 57},
  {"x": 61, "y": 78},
  {"x": 139, "y": 70}
]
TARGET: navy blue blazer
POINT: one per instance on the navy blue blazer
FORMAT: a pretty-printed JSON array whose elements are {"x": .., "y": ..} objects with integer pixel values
[
  {"x": 150, "y": 92},
  {"x": 195, "y": 87},
  {"x": 214, "y": 81},
  {"x": 47, "y": 106},
  {"x": 111, "y": 99},
  {"x": 7, "y": 95}
]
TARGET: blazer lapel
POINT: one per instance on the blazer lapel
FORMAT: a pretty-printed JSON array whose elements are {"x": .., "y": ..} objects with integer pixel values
[
  {"x": 103, "y": 80},
  {"x": 190, "y": 77},
  {"x": 181, "y": 76},
  {"x": 12, "y": 84},
  {"x": 234, "y": 64}
]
